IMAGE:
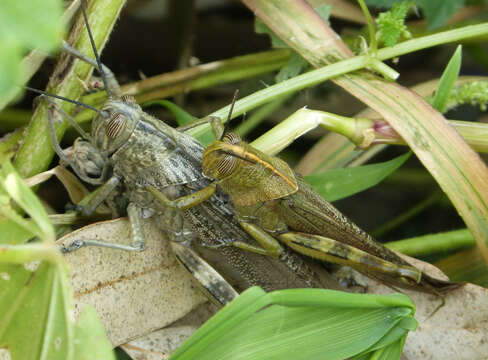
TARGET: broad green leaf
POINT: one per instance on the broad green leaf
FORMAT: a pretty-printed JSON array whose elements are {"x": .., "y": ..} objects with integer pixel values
[
  {"x": 300, "y": 324},
  {"x": 90, "y": 340},
  {"x": 438, "y": 12},
  {"x": 36, "y": 310},
  {"x": 448, "y": 79},
  {"x": 35, "y": 320},
  {"x": 26, "y": 25},
  {"x": 12, "y": 184},
  {"x": 383, "y": 4},
  {"x": 9, "y": 63},
  {"x": 340, "y": 183},
  {"x": 294, "y": 67},
  {"x": 261, "y": 28},
  {"x": 35, "y": 23},
  {"x": 13, "y": 233}
]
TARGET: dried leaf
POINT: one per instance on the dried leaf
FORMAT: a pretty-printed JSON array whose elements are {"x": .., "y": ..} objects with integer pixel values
[
  {"x": 162, "y": 343},
  {"x": 134, "y": 293}
]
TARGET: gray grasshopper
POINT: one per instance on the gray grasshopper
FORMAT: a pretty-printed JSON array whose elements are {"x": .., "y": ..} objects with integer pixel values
[{"x": 134, "y": 154}]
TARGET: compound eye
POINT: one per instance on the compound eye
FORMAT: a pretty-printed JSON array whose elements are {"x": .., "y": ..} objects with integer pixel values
[
  {"x": 231, "y": 138},
  {"x": 115, "y": 125},
  {"x": 226, "y": 165}
]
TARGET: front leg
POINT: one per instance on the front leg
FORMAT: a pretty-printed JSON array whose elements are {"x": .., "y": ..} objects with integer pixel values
[
  {"x": 137, "y": 244},
  {"x": 87, "y": 208},
  {"x": 333, "y": 251},
  {"x": 184, "y": 202}
]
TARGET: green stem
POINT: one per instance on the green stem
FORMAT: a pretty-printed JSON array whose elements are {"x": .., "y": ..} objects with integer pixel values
[
  {"x": 259, "y": 115},
  {"x": 304, "y": 120},
  {"x": 20, "y": 254},
  {"x": 373, "y": 46},
  {"x": 407, "y": 215},
  {"x": 428, "y": 244},
  {"x": 360, "y": 131},
  {"x": 383, "y": 69},
  {"x": 320, "y": 75}
]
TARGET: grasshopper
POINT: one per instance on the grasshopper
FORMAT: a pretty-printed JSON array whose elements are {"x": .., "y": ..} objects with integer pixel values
[
  {"x": 133, "y": 154},
  {"x": 274, "y": 204}
]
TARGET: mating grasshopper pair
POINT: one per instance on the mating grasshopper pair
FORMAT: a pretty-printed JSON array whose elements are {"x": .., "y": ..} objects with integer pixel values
[
  {"x": 273, "y": 203},
  {"x": 158, "y": 170},
  {"x": 129, "y": 151}
]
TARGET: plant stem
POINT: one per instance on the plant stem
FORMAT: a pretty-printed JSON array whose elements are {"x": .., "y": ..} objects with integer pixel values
[
  {"x": 373, "y": 46},
  {"x": 428, "y": 244},
  {"x": 407, "y": 215},
  {"x": 322, "y": 74},
  {"x": 20, "y": 254}
]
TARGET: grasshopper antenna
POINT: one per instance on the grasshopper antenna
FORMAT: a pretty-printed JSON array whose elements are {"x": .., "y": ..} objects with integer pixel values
[
  {"x": 95, "y": 52},
  {"x": 227, "y": 122},
  {"x": 102, "y": 113}
]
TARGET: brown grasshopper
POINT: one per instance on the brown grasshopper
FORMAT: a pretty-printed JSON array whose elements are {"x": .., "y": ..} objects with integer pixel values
[
  {"x": 273, "y": 203},
  {"x": 132, "y": 153}
]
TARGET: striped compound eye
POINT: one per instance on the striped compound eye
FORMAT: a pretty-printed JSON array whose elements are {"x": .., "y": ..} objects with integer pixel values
[
  {"x": 231, "y": 138},
  {"x": 115, "y": 125},
  {"x": 226, "y": 166}
]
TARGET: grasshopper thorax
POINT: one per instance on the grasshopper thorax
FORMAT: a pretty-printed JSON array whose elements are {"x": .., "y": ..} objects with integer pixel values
[
  {"x": 112, "y": 128},
  {"x": 245, "y": 173}
]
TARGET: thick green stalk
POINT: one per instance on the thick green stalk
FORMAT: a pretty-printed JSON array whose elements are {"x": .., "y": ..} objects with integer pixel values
[{"x": 429, "y": 244}]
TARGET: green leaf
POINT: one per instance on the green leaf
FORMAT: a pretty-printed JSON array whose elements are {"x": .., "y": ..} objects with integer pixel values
[
  {"x": 35, "y": 321},
  {"x": 294, "y": 67},
  {"x": 181, "y": 116},
  {"x": 261, "y": 28},
  {"x": 90, "y": 339},
  {"x": 12, "y": 184},
  {"x": 438, "y": 12},
  {"x": 447, "y": 81},
  {"x": 301, "y": 324},
  {"x": 391, "y": 24},
  {"x": 383, "y": 4},
  {"x": 13, "y": 233},
  {"x": 35, "y": 23},
  {"x": 340, "y": 183},
  {"x": 26, "y": 25},
  {"x": 324, "y": 11},
  {"x": 9, "y": 64}
]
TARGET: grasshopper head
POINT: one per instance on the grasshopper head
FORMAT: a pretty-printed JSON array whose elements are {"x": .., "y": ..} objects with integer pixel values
[
  {"x": 246, "y": 174},
  {"x": 219, "y": 159},
  {"x": 110, "y": 132}
]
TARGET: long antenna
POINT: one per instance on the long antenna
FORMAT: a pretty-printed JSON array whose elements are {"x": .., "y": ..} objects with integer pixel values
[
  {"x": 227, "y": 123},
  {"x": 95, "y": 52},
  {"x": 102, "y": 113},
  {"x": 236, "y": 93}
]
